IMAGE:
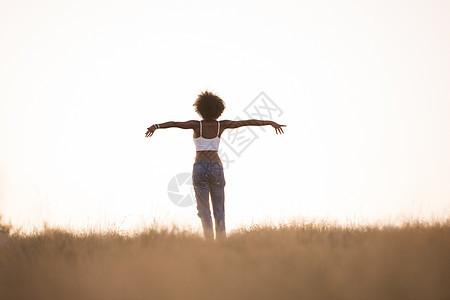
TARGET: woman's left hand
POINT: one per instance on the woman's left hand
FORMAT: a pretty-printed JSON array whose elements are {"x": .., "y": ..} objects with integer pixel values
[{"x": 150, "y": 131}]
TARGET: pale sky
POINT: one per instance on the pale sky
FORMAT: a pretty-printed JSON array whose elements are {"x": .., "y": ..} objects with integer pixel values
[{"x": 362, "y": 85}]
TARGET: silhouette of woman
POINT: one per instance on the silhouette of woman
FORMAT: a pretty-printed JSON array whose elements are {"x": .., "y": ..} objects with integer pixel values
[{"x": 207, "y": 176}]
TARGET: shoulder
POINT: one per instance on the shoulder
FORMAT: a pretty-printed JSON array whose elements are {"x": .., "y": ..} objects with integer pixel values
[
  {"x": 225, "y": 123},
  {"x": 193, "y": 123}
]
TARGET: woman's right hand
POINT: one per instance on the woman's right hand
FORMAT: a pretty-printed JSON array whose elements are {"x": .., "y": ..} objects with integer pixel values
[{"x": 278, "y": 127}]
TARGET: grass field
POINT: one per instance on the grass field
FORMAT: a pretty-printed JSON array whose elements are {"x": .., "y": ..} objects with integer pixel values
[{"x": 303, "y": 261}]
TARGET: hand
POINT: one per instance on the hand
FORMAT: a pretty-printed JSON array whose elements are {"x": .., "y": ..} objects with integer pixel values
[
  {"x": 150, "y": 131},
  {"x": 277, "y": 127}
]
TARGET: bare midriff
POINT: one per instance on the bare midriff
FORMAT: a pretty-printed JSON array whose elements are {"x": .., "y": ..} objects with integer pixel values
[{"x": 207, "y": 156}]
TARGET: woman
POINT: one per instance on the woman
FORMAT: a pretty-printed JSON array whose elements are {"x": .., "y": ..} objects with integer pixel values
[{"x": 207, "y": 175}]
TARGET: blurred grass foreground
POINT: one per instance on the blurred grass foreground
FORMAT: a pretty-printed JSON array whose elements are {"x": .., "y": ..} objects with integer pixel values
[{"x": 303, "y": 261}]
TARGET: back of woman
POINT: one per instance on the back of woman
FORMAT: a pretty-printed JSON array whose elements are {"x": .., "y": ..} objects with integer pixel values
[{"x": 207, "y": 174}]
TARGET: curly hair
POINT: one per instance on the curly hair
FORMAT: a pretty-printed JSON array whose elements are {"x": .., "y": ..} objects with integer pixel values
[{"x": 209, "y": 106}]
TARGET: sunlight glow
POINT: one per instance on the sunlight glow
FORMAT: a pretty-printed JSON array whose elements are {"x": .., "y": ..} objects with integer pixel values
[{"x": 363, "y": 88}]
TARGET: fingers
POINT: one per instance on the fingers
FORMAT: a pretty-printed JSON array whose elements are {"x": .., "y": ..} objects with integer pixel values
[
  {"x": 279, "y": 130},
  {"x": 150, "y": 131}
]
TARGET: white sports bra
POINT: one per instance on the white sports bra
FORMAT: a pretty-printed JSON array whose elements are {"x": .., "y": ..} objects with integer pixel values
[{"x": 202, "y": 144}]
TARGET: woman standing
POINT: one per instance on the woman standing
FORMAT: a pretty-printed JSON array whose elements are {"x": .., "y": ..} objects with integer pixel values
[{"x": 207, "y": 176}]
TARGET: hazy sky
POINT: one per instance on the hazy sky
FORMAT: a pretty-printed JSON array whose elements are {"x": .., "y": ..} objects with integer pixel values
[{"x": 362, "y": 85}]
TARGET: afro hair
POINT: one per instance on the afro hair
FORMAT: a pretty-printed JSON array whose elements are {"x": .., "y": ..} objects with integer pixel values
[{"x": 209, "y": 106}]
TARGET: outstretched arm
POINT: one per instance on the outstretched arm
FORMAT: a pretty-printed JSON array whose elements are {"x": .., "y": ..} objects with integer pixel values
[
  {"x": 253, "y": 122},
  {"x": 183, "y": 125}
]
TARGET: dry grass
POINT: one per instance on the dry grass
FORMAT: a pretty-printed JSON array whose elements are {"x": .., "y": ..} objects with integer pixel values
[{"x": 309, "y": 261}]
